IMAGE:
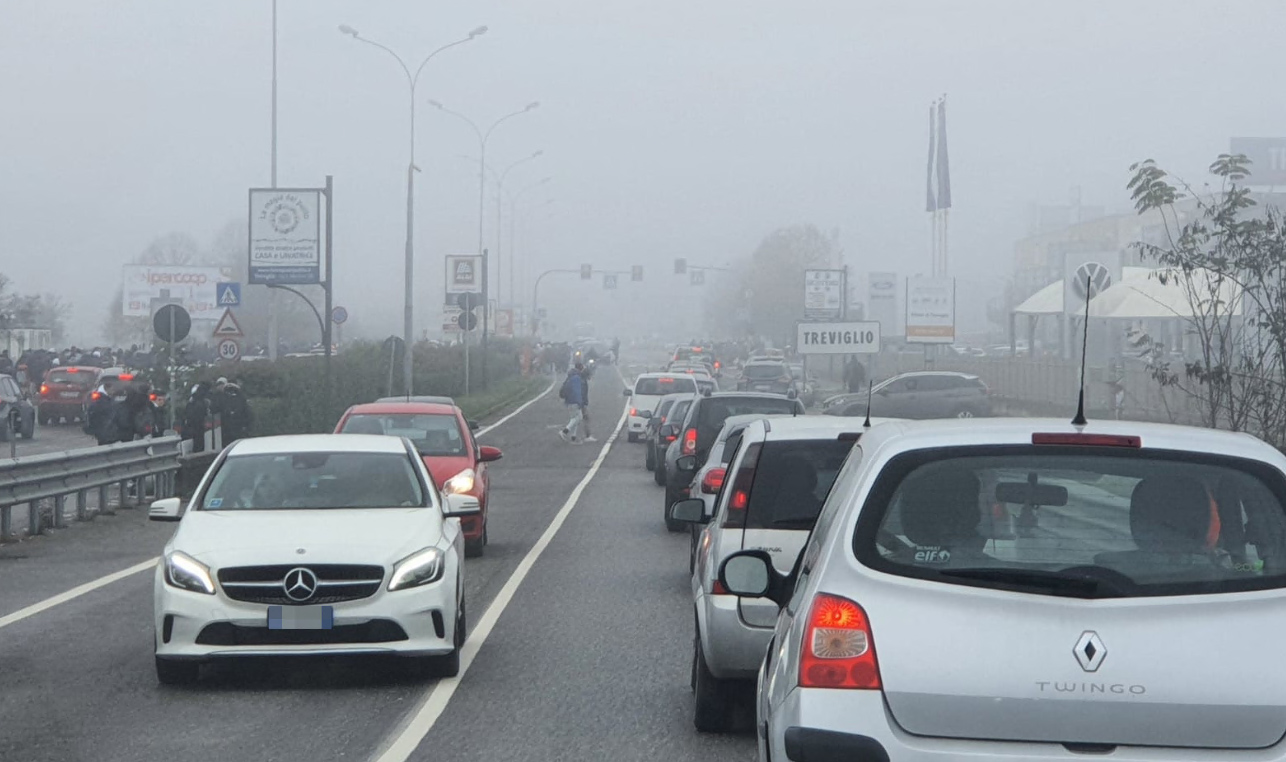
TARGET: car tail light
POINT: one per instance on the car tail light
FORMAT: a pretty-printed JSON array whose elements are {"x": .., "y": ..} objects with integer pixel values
[
  {"x": 127, "y": 376},
  {"x": 717, "y": 365},
  {"x": 690, "y": 442},
  {"x": 96, "y": 396},
  {"x": 838, "y": 650},
  {"x": 741, "y": 484},
  {"x": 712, "y": 482},
  {"x": 634, "y": 411},
  {"x": 1088, "y": 440},
  {"x": 44, "y": 388},
  {"x": 73, "y": 370}
]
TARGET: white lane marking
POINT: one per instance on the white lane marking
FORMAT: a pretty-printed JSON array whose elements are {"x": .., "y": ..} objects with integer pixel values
[
  {"x": 75, "y": 592},
  {"x": 435, "y": 702},
  {"x": 518, "y": 409},
  {"x": 80, "y": 590}
]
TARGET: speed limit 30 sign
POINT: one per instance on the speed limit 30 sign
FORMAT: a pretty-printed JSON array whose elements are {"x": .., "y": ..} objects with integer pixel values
[{"x": 229, "y": 349}]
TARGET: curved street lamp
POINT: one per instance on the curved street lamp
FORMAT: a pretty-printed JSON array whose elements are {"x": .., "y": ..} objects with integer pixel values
[{"x": 408, "y": 323}]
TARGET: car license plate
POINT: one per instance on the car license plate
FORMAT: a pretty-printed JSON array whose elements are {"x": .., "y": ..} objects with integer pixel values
[
  {"x": 301, "y": 617},
  {"x": 69, "y": 394}
]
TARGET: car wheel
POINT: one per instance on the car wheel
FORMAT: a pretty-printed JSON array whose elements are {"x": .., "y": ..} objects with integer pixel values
[
  {"x": 473, "y": 548},
  {"x": 649, "y": 460},
  {"x": 712, "y": 699},
  {"x": 632, "y": 437},
  {"x": 29, "y": 431},
  {"x": 658, "y": 474},
  {"x": 964, "y": 412},
  {"x": 175, "y": 672},
  {"x": 447, "y": 665}
]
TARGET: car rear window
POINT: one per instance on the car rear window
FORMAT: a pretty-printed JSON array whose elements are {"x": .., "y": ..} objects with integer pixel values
[
  {"x": 436, "y": 434},
  {"x": 679, "y": 411},
  {"x": 653, "y": 387},
  {"x": 715, "y": 410},
  {"x": 71, "y": 378},
  {"x": 766, "y": 371},
  {"x": 662, "y": 408},
  {"x": 730, "y": 447},
  {"x": 792, "y": 480},
  {"x": 1065, "y": 522}
]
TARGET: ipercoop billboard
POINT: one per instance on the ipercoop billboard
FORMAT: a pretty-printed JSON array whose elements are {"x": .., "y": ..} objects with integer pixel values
[{"x": 195, "y": 286}]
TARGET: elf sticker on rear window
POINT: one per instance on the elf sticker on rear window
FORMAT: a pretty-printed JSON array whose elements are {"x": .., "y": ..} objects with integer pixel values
[
  {"x": 214, "y": 502},
  {"x": 931, "y": 554}
]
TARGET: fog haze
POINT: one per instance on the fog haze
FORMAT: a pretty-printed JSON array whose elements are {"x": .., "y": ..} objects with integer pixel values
[{"x": 668, "y": 128}]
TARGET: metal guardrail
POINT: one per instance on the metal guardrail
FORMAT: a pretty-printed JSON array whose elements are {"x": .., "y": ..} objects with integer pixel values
[{"x": 34, "y": 479}]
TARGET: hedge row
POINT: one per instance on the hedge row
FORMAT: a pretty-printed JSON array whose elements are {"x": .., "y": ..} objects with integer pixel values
[{"x": 289, "y": 396}]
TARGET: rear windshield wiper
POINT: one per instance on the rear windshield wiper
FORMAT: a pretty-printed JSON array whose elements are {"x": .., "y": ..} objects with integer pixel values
[{"x": 1059, "y": 583}]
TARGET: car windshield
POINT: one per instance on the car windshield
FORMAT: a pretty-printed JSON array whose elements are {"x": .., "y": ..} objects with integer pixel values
[
  {"x": 651, "y": 387},
  {"x": 764, "y": 371},
  {"x": 77, "y": 378},
  {"x": 792, "y": 480},
  {"x": 436, "y": 434},
  {"x": 1075, "y": 524},
  {"x": 314, "y": 480}
]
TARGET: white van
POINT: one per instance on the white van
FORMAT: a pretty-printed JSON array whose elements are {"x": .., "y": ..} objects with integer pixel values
[{"x": 648, "y": 389}]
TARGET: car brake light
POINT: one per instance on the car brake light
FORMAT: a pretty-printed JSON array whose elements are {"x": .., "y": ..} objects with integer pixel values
[
  {"x": 838, "y": 650},
  {"x": 1088, "y": 440},
  {"x": 741, "y": 484},
  {"x": 665, "y": 380},
  {"x": 634, "y": 411},
  {"x": 690, "y": 442},
  {"x": 44, "y": 388},
  {"x": 96, "y": 396},
  {"x": 717, "y": 365},
  {"x": 73, "y": 370},
  {"x": 712, "y": 482},
  {"x": 127, "y": 377}
]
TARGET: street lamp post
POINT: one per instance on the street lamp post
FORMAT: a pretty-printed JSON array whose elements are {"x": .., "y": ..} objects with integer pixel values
[
  {"x": 408, "y": 323},
  {"x": 500, "y": 263},
  {"x": 483, "y": 137},
  {"x": 513, "y": 213}
]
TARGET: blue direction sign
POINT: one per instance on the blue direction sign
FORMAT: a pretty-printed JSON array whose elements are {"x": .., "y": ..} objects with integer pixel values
[
  {"x": 228, "y": 294},
  {"x": 338, "y": 315}
]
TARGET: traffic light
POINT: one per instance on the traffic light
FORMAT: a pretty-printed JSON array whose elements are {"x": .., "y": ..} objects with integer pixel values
[
  {"x": 586, "y": 272},
  {"x": 609, "y": 281},
  {"x": 467, "y": 302},
  {"x": 636, "y": 273},
  {"x": 680, "y": 266}
]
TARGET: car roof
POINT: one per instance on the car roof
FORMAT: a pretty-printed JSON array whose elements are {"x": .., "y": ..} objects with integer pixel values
[
  {"x": 76, "y": 368},
  {"x": 292, "y": 443},
  {"x": 813, "y": 427},
  {"x": 402, "y": 407},
  {"x": 957, "y": 374},
  {"x": 419, "y": 398},
  {"x": 660, "y": 374},
  {"x": 745, "y": 395},
  {"x": 916, "y": 435}
]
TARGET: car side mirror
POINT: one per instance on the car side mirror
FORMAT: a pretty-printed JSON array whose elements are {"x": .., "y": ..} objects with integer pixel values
[
  {"x": 474, "y": 425},
  {"x": 686, "y": 463},
  {"x": 750, "y": 574},
  {"x": 690, "y": 511},
  {"x": 458, "y": 506},
  {"x": 489, "y": 454},
  {"x": 628, "y": 392},
  {"x": 166, "y": 509}
]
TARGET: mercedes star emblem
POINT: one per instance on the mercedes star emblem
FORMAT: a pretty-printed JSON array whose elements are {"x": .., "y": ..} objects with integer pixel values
[
  {"x": 1090, "y": 651},
  {"x": 299, "y": 584}
]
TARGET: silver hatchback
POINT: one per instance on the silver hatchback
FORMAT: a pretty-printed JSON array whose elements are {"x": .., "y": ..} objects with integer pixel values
[{"x": 1033, "y": 590}]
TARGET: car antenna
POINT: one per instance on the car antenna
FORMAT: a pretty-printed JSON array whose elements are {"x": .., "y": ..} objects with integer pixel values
[
  {"x": 870, "y": 394},
  {"x": 1079, "y": 420}
]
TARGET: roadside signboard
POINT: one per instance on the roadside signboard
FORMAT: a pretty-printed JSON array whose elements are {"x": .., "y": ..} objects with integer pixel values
[
  {"x": 1267, "y": 159},
  {"x": 229, "y": 349},
  {"x": 851, "y": 338},
  {"x": 450, "y": 316},
  {"x": 339, "y": 315},
  {"x": 504, "y": 322},
  {"x": 464, "y": 274},
  {"x": 285, "y": 236},
  {"x": 930, "y": 310},
  {"x": 195, "y": 287},
  {"x": 823, "y": 294},
  {"x": 172, "y": 323}
]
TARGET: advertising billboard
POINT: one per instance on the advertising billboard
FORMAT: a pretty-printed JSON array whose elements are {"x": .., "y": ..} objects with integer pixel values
[
  {"x": 464, "y": 274},
  {"x": 194, "y": 287},
  {"x": 823, "y": 294},
  {"x": 285, "y": 236},
  {"x": 930, "y": 310}
]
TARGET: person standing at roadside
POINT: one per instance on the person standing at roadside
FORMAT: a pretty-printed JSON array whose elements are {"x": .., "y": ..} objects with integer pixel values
[
  {"x": 234, "y": 411},
  {"x": 573, "y": 394}
]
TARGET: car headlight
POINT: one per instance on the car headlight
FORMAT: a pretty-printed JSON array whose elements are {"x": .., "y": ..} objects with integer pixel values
[
  {"x": 419, "y": 568},
  {"x": 187, "y": 573},
  {"x": 461, "y": 483}
]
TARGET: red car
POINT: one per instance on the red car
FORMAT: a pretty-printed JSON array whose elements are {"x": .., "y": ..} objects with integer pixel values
[
  {"x": 64, "y": 393},
  {"x": 445, "y": 441}
]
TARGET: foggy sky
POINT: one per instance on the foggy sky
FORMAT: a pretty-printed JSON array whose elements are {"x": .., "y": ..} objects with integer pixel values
[{"x": 670, "y": 128}]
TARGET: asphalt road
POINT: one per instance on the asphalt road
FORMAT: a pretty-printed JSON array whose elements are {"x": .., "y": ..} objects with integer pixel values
[
  {"x": 589, "y": 659},
  {"x": 51, "y": 438}
]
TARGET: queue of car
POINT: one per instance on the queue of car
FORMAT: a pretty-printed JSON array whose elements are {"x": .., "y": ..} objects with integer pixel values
[{"x": 345, "y": 543}]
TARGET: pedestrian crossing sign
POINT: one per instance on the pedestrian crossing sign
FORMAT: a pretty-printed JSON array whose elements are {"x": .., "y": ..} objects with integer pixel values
[
  {"x": 228, "y": 326},
  {"x": 228, "y": 294}
]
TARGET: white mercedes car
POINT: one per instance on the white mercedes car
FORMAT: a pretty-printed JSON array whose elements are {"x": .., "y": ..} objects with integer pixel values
[{"x": 314, "y": 544}]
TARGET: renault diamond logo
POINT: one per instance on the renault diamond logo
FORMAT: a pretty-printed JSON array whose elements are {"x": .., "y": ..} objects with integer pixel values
[
  {"x": 299, "y": 584},
  {"x": 1090, "y": 651}
]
